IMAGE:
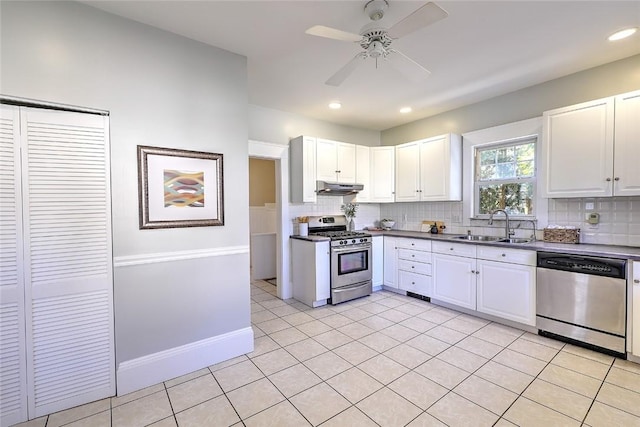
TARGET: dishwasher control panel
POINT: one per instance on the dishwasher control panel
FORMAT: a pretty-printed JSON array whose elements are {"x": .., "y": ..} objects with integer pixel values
[{"x": 610, "y": 267}]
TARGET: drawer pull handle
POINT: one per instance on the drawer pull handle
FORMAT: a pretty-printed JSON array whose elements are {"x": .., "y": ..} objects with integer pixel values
[{"x": 504, "y": 254}]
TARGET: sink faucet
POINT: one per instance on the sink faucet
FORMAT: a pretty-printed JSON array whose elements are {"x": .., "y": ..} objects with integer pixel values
[{"x": 507, "y": 229}]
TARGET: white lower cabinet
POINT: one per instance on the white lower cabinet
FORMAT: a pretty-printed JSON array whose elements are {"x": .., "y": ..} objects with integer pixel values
[
  {"x": 635, "y": 307},
  {"x": 455, "y": 280},
  {"x": 492, "y": 280},
  {"x": 390, "y": 274},
  {"x": 311, "y": 270},
  {"x": 414, "y": 266}
]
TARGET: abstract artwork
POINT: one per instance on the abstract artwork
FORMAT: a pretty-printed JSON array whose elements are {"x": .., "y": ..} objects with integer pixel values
[{"x": 179, "y": 188}]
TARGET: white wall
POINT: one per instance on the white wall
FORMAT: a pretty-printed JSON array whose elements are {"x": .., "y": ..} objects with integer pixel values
[{"x": 172, "y": 287}]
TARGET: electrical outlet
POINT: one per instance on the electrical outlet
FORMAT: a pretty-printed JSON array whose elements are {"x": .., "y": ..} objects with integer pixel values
[
  {"x": 589, "y": 206},
  {"x": 455, "y": 218}
]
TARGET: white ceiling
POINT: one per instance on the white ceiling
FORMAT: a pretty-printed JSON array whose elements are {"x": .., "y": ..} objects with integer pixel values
[{"x": 481, "y": 50}]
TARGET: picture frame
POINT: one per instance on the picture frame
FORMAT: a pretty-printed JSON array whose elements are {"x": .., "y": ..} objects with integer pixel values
[{"x": 179, "y": 188}]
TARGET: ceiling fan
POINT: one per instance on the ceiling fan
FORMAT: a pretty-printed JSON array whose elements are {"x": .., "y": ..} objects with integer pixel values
[{"x": 376, "y": 40}]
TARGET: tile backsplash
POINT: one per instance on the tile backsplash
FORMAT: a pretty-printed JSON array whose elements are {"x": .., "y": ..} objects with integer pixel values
[{"x": 619, "y": 217}]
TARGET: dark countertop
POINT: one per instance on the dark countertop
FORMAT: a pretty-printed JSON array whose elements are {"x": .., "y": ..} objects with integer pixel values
[{"x": 626, "y": 252}]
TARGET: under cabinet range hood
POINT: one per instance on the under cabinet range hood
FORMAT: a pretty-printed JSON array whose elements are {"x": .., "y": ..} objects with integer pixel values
[{"x": 337, "y": 189}]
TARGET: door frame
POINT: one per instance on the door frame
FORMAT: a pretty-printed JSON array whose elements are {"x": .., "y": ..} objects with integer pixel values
[{"x": 280, "y": 154}]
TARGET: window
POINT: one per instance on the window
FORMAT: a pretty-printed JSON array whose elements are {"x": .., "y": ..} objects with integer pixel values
[{"x": 505, "y": 178}]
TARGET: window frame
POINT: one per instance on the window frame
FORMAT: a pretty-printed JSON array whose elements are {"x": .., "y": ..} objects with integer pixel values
[
  {"x": 477, "y": 183},
  {"x": 510, "y": 132}
]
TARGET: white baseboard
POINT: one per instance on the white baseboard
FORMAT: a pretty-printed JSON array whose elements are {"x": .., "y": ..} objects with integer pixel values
[{"x": 154, "y": 368}]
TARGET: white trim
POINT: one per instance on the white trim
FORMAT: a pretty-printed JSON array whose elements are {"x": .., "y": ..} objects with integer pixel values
[
  {"x": 531, "y": 128},
  {"x": 155, "y": 368},
  {"x": 279, "y": 153},
  {"x": 126, "y": 261}
]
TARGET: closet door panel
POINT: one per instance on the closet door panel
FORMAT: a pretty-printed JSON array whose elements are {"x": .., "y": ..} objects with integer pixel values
[
  {"x": 13, "y": 384},
  {"x": 68, "y": 259}
]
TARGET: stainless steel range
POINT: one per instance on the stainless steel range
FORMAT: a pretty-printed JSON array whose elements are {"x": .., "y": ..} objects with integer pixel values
[{"x": 350, "y": 257}]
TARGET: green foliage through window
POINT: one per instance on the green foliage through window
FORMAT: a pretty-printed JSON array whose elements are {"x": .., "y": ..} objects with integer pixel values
[{"x": 505, "y": 178}]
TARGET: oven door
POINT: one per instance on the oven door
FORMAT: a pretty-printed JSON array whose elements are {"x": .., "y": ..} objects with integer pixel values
[{"x": 350, "y": 265}]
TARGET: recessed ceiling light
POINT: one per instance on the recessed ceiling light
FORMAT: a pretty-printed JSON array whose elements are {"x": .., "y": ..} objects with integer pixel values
[
  {"x": 622, "y": 34},
  {"x": 335, "y": 105},
  {"x": 405, "y": 110}
]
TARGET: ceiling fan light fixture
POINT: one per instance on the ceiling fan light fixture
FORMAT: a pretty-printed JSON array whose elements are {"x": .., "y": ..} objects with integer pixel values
[
  {"x": 335, "y": 105},
  {"x": 622, "y": 34},
  {"x": 405, "y": 110},
  {"x": 376, "y": 8}
]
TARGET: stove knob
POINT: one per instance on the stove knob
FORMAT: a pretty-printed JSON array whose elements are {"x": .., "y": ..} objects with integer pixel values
[
  {"x": 353, "y": 241},
  {"x": 362, "y": 240},
  {"x": 343, "y": 242}
]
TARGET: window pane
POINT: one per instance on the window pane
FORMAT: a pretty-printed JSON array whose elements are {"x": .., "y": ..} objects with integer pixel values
[
  {"x": 516, "y": 198},
  {"x": 525, "y": 169},
  {"x": 525, "y": 151},
  {"x": 487, "y": 157},
  {"x": 487, "y": 172},
  {"x": 506, "y": 154},
  {"x": 506, "y": 171}
]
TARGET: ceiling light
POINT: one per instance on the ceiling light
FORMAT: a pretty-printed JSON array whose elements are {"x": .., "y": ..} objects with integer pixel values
[
  {"x": 335, "y": 105},
  {"x": 405, "y": 110},
  {"x": 622, "y": 34}
]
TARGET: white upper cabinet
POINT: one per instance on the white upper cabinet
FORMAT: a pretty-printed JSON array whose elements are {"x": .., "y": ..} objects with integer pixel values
[
  {"x": 579, "y": 143},
  {"x": 336, "y": 161},
  {"x": 382, "y": 178},
  {"x": 626, "y": 180},
  {"x": 302, "y": 169},
  {"x": 363, "y": 173},
  {"x": 429, "y": 169}
]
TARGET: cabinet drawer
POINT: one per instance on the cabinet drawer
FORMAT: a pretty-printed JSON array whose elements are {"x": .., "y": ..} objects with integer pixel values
[
  {"x": 418, "y": 244},
  {"x": 412, "y": 255},
  {"x": 416, "y": 283},
  {"x": 513, "y": 256},
  {"x": 414, "y": 267},
  {"x": 460, "y": 249}
]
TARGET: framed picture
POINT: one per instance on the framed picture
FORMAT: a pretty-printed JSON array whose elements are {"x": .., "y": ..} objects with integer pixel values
[{"x": 179, "y": 188}]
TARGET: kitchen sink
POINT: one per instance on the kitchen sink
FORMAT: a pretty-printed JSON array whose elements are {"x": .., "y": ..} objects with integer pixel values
[
  {"x": 514, "y": 240},
  {"x": 477, "y": 238}
]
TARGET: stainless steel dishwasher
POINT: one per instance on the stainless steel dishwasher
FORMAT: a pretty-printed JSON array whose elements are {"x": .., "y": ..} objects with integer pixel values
[{"x": 582, "y": 300}]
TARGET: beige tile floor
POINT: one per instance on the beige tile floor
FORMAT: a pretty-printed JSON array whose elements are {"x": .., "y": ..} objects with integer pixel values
[{"x": 384, "y": 360}]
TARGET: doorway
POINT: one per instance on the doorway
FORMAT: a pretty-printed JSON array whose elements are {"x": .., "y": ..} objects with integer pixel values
[{"x": 279, "y": 154}]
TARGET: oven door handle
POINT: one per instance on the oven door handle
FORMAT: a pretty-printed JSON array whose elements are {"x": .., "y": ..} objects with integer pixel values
[{"x": 352, "y": 248}]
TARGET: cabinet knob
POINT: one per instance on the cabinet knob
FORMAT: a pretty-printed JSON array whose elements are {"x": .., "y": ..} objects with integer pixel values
[
  {"x": 504, "y": 254},
  {"x": 636, "y": 281},
  {"x": 450, "y": 249},
  {"x": 617, "y": 178},
  {"x": 608, "y": 179},
  {"x": 413, "y": 283},
  {"x": 477, "y": 272},
  {"x": 473, "y": 271},
  {"x": 413, "y": 266}
]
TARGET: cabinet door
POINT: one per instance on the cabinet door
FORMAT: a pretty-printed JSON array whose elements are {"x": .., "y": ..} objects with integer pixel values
[
  {"x": 382, "y": 180},
  {"x": 407, "y": 172},
  {"x": 346, "y": 162},
  {"x": 580, "y": 136},
  {"x": 635, "y": 307},
  {"x": 627, "y": 145},
  {"x": 326, "y": 160},
  {"x": 507, "y": 291},
  {"x": 303, "y": 169},
  {"x": 363, "y": 173},
  {"x": 390, "y": 262},
  {"x": 454, "y": 280}
]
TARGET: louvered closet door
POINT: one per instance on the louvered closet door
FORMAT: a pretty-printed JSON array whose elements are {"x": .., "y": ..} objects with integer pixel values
[
  {"x": 13, "y": 376},
  {"x": 68, "y": 261}
]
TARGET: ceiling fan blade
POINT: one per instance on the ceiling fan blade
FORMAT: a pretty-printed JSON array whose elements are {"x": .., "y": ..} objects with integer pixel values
[
  {"x": 408, "y": 67},
  {"x": 332, "y": 33},
  {"x": 426, "y": 15},
  {"x": 344, "y": 72}
]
